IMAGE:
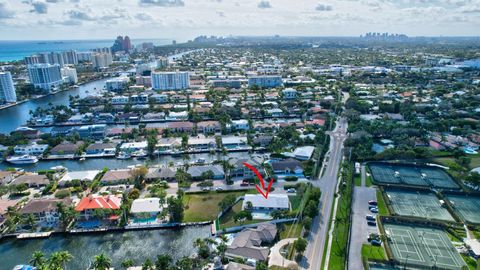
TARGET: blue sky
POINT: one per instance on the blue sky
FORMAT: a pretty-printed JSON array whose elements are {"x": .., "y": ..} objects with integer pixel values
[{"x": 185, "y": 19}]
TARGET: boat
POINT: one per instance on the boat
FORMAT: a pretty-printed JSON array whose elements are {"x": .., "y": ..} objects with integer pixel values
[
  {"x": 140, "y": 154},
  {"x": 200, "y": 161},
  {"x": 24, "y": 267},
  {"x": 123, "y": 155},
  {"x": 25, "y": 159},
  {"x": 82, "y": 159}
]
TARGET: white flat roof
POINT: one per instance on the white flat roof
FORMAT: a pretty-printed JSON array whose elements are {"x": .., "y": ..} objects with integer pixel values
[
  {"x": 147, "y": 205},
  {"x": 273, "y": 201},
  {"x": 80, "y": 175}
]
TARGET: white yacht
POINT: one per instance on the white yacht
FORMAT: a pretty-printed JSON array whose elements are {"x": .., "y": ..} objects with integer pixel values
[{"x": 25, "y": 159}]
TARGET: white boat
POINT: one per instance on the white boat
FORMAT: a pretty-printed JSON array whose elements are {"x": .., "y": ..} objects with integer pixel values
[
  {"x": 25, "y": 159},
  {"x": 140, "y": 154},
  {"x": 123, "y": 155}
]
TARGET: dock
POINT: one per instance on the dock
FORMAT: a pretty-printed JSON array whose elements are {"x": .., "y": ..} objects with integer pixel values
[{"x": 33, "y": 235}]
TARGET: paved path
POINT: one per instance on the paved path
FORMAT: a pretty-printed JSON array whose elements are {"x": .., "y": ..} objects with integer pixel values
[
  {"x": 277, "y": 259},
  {"x": 327, "y": 183}
]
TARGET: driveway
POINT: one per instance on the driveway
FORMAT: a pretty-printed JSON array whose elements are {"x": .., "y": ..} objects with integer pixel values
[
  {"x": 360, "y": 228},
  {"x": 276, "y": 258}
]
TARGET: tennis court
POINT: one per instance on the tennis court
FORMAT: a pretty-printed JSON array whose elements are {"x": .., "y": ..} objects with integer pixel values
[
  {"x": 466, "y": 206},
  {"x": 422, "y": 247},
  {"x": 417, "y": 204},
  {"x": 412, "y": 175}
]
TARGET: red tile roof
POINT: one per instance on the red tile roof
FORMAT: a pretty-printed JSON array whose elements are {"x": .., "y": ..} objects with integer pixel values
[{"x": 99, "y": 202}]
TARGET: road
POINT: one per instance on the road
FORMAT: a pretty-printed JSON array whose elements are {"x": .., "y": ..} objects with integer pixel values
[{"x": 327, "y": 183}]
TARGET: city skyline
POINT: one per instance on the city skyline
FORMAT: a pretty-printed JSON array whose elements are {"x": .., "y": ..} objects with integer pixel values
[{"x": 184, "y": 19}]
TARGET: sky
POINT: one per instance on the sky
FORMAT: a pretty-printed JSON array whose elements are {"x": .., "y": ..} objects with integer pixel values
[{"x": 185, "y": 19}]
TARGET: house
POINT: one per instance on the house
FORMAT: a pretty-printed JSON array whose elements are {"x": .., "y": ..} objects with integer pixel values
[
  {"x": 288, "y": 166},
  {"x": 4, "y": 205},
  {"x": 272, "y": 203},
  {"x": 101, "y": 149},
  {"x": 238, "y": 266},
  {"x": 87, "y": 206},
  {"x": 116, "y": 176},
  {"x": 304, "y": 153},
  {"x": 209, "y": 127},
  {"x": 133, "y": 146},
  {"x": 234, "y": 142},
  {"x": 30, "y": 149},
  {"x": 6, "y": 177},
  {"x": 240, "y": 170},
  {"x": 262, "y": 140},
  {"x": 177, "y": 116},
  {"x": 180, "y": 127},
  {"x": 197, "y": 172},
  {"x": 28, "y": 133},
  {"x": 289, "y": 93},
  {"x": 146, "y": 208},
  {"x": 202, "y": 143},
  {"x": 45, "y": 211},
  {"x": 83, "y": 176},
  {"x": 251, "y": 243},
  {"x": 166, "y": 174},
  {"x": 66, "y": 148},
  {"x": 241, "y": 124},
  {"x": 168, "y": 145},
  {"x": 31, "y": 180},
  {"x": 92, "y": 131}
]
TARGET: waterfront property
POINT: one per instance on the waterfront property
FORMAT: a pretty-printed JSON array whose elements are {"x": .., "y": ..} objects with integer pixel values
[
  {"x": 44, "y": 211},
  {"x": 31, "y": 180},
  {"x": 146, "y": 210},
  {"x": 262, "y": 208},
  {"x": 95, "y": 207},
  {"x": 252, "y": 243},
  {"x": 82, "y": 176},
  {"x": 114, "y": 177}
]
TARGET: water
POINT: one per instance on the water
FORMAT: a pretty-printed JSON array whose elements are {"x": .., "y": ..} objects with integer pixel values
[
  {"x": 12, "y": 50},
  {"x": 112, "y": 163},
  {"x": 118, "y": 246},
  {"x": 15, "y": 116}
]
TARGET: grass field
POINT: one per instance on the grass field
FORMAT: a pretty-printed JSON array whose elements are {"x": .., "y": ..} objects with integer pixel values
[
  {"x": 471, "y": 263},
  {"x": 373, "y": 252},
  {"x": 204, "y": 206},
  {"x": 358, "y": 180},
  {"x": 294, "y": 229},
  {"x": 382, "y": 206}
]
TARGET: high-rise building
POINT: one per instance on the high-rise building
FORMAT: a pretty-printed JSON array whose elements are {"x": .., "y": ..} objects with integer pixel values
[
  {"x": 265, "y": 81},
  {"x": 84, "y": 56},
  {"x": 127, "y": 45},
  {"x": 162, "y": 62},
  {"x": 7, "y": 89},
  {"x": 101, "y": 60},
  {"x": 70, "y": 57},
  {"x": 170, "y": 80},
  {"x": 52, "y": 58},
  {"x": 33, "y": 59},
  {"x": 45, "y": 76},
  {"x": 103, "y": 50},
  {"x": 70, "y": 75},
  {"x": 118, "y": 44}
]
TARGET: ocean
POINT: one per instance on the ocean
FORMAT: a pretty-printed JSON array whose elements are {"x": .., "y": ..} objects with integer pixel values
[{"x": 12, "y": 50}]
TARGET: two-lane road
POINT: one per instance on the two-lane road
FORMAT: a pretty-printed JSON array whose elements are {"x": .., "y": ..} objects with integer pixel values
[{"x": 327, "y": 183}]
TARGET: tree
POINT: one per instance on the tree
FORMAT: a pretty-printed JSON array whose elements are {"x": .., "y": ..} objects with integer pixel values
[
  {"x": 148, "y": 265},
  {"x": 300, "y": 245},
  {"x": 163, "y": 262},
  {"x": 127, "y": 263},
  {"x": 134, "y": 194},
  {"x": 59, "y": 259},
  {"x": 312, "y": 209},
  {"x": 307, "y": 223},
  {"x": 227, "y": 201},
  {"x": 38, "y": 259},
  {"x": 176, "y": 208},
  {"x": 242, "y": 215},
  {"x": 185, "y": 263},
  {"x": 102, "y": 262},
  {"x": 261, "y": 266}
]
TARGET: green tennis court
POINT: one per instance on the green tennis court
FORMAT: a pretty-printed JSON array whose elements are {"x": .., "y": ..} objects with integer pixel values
[
  {"x": 412, "y": 175},
  {"x": 466, "y": 206},
  {"x": 422, "y": 247},
  {"x": 417, "y": 204}
]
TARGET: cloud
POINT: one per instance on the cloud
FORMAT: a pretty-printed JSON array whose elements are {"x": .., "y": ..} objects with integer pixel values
[
  {"x": 143, "y": 16},
  {"x": 323, "y": 7},
  {"x": 220, "y": 13},
  {"x": 53, "y": 1},
  {"x": 5, "y": 12},
  {"x": 264, "y": 4},
  {"x": 80, "y": 15},
  {"x": 163, "y": 3},
  {"x": 39, "y": 7}
]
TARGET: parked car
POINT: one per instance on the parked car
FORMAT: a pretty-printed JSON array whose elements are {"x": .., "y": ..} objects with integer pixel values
[
  {"x": 371, "y": 217},
  {"x": 291, "y": 190},
  {"x": 374, "y": 203},
  {"x": 374, "y": 210},
  {"x": 219, "y": 188},
  {"x": 205, "y": 189},
  {"x": 371, "y": 223},
  {"x": 376, "y": 242}
]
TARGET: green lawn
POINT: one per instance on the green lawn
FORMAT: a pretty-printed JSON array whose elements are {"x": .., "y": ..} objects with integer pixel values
[
  {"x": 373, "y": 252},
  {"x": 295, "y": 201},
  {"x": 471, "y": 263},
  {"x": 204, "y": 206},
  {"x": 358, "y": 180},
  {"x": 294, "y": 229},
  {"x": 382, "y": 207},
  {"x": 369, "y": 181}
]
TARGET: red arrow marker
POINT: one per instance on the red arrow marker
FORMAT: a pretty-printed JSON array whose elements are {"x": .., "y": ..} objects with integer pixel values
[{"x": 260, "y": 189}]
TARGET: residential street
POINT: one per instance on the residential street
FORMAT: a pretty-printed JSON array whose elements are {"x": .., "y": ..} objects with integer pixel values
[{"x": 327, "y": 184}]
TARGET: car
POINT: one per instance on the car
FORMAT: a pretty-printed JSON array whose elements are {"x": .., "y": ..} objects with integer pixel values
[
  {"x": 205, "y": 189},
  {"x": 374, "y": 203},
  {"x": 370, "y": 217},
  {"x": 291, "y": 190},
  {"x": 219, "y": 188},
  {"x": 374, "y": 210},
  {"x": 244, "y": 184},
  {"x": 371, "y": 223},
  {"x": 376, "y": 242}
]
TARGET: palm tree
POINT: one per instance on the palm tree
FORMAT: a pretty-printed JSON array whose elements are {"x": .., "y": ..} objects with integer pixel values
[
  {"x": 127, "y": 263},
  {"x": 102, "y": 262},
  {"x": 58, "y": 260},
  {"x": 147, "y": 265},
  {"x": 163, "y": 262},
  {"x": 38, "y": 258}
]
